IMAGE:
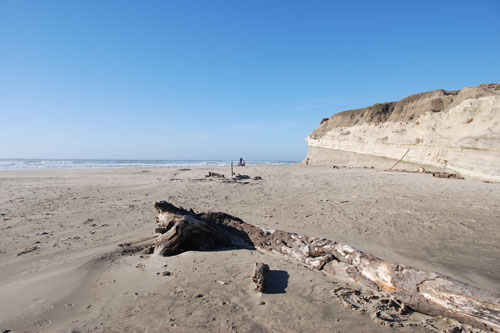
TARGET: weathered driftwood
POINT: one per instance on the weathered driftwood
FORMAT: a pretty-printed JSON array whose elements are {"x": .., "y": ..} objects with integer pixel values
[
  {"x": 259, "y": 275},
  {"x": 446, "y": 175},
  {"x": 426, "y": 292},
  {"x": 241, "y": 177},
  {"x": 214, "y": 174}
]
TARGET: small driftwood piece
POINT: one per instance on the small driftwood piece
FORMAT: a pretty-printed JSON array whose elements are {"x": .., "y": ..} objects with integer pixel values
[
  {"x": 241, "y": 177},
  {"x": 426, "y": 292},
  {"x": 446, "y": 175},
  {"x": 214, "y": 174},
  {"x": 259, "y": 275}
]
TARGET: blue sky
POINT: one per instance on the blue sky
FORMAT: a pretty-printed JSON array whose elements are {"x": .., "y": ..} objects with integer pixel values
[{"x": 221, "y": 79}]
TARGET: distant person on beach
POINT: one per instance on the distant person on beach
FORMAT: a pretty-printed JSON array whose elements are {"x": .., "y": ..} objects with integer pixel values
[{"x": 241, "y": 162}]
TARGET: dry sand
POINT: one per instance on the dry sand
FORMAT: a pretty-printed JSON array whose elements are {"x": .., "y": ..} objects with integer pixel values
[{"x": 59, "y": 269}]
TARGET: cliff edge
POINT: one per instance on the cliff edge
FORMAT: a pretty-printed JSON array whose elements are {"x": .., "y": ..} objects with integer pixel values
[{"x": 452, "y": 131}]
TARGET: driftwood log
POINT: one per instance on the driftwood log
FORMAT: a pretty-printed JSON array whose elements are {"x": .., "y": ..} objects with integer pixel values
[
  {"x": 426, "y": 292},
  {"x": 259, "y": 275}
]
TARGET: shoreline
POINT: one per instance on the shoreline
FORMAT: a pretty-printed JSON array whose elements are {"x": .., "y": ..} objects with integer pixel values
[{"x": 96, "y": 164}]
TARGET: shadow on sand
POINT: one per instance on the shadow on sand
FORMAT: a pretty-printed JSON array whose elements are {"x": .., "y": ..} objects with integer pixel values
[{"x": 276, "y": 282}]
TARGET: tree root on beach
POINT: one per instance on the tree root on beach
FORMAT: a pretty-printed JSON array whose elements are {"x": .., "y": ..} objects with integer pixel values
[{"x": 434, "y": 294}]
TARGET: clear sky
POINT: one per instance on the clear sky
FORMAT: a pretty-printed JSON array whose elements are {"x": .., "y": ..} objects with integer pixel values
[{"x": 215, "y": 79}]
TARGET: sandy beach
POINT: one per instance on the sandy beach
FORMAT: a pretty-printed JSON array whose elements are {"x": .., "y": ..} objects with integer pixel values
[{"x": 61, "y": 271}]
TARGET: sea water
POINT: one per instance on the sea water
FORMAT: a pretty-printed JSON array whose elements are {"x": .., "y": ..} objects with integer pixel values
[{"x": 48, "y": 164}]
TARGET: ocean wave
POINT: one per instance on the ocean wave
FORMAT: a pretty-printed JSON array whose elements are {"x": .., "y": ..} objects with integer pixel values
[{"x": 53, "y": 164}]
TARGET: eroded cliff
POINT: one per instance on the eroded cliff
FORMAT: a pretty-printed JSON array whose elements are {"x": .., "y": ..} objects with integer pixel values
[{"x": 454, "y": 131}]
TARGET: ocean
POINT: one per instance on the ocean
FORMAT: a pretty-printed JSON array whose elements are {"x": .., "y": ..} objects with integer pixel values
[{"x": 54, "y": 164}]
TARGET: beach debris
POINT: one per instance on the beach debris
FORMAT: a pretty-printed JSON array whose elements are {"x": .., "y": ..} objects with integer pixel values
[
  {"x": 28, "y": 250},
  {"x": 241, "y": 177},
  {"x": 214, "y": 174},
  {"x": 421, "y": 170},
  {"x": 259, "y": 275},
  {"x": 235, "y": 177},
  {"x": 430, "y": 293},
  {"x": 398, "y": 160},
  {"x": 388, "y": 311},
  {"x": 384, "y": 310},
  {"x": 438, "y": 174}
]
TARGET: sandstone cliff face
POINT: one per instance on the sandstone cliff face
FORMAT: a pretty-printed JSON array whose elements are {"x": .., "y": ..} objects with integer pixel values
[{"x": 454, "y": 131}]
